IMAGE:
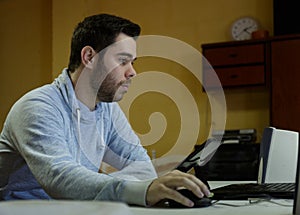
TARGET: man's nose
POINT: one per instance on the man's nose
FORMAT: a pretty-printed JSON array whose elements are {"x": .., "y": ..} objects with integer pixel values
[{"x": 130, "y": 73}]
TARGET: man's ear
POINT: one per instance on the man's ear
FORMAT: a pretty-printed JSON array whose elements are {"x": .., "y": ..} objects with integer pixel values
[{"x": 87, "y": 54}]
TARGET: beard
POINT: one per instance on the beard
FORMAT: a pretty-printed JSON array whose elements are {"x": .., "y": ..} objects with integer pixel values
[{"x": 110, "y": 90}]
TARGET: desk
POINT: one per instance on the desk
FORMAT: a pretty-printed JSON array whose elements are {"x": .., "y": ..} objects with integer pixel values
[
  {"x": 273, "y": 207},
  {"x": 62, "y": 207},
  {"x": 278, "y": 207},
  {"x": 59, "y": 207}
]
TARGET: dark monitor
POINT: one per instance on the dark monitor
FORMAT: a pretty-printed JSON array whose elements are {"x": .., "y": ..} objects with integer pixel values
[{"x": 286, "y": 16}]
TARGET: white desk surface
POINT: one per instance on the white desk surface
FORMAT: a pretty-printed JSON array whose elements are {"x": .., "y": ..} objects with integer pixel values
[
  {"x": 60, "y": 207},
  {"x": 273, "y": 207},
  {"x": 279, "y": 207}
]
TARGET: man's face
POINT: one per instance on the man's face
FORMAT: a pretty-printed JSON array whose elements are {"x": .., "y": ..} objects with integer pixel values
[{"x": 116, "y": 69}]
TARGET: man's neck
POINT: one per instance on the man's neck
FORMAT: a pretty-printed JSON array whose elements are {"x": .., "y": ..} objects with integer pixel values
[{"x": 84, "y": 93}]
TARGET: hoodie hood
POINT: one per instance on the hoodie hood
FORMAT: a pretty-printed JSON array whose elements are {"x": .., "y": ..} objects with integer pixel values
[{"x": 64, "y": 84}]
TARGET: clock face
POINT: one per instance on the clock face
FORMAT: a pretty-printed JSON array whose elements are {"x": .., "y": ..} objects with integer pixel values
[{"x": 243, "y": 28}]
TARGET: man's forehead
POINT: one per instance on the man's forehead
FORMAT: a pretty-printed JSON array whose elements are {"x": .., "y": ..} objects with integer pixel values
[
  {"x": 124, "y": 37},
  {"x": 125, "y": 46}
]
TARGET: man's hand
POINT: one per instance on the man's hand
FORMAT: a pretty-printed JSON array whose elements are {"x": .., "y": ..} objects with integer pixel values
[{"x": 165, "y": 187}]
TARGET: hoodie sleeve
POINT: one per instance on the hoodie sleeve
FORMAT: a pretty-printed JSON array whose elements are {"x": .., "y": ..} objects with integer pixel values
[
  {"x": 37, "y": 130},
  {"x": 125, "y": 152}
]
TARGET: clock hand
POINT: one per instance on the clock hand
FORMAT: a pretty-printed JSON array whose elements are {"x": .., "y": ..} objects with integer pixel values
[
  {"x": 246, "y": 29},
  {"x": 243, "y": 31}
]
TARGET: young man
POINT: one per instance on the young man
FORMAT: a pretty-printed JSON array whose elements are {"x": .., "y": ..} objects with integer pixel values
[{"x": 56, "y": 137}]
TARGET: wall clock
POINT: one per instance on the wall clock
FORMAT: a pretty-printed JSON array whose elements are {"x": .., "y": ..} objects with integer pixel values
[{"x": 243, "y": 27}]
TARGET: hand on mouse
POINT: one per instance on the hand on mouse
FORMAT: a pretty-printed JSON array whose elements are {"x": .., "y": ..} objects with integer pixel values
[{"x": 165, "y": 187}]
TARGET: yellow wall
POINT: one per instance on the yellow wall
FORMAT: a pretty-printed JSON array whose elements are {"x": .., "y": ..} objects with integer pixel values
[
  {"x": 193, "y": 21},
  {"x": 25, "y": 53}
]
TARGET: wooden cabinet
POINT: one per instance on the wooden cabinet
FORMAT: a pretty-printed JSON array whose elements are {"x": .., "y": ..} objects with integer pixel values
[
  {"x": 285, "y": 87},
  {"x": 273, "y": 62},
  {"x": 236, "y": 64}
]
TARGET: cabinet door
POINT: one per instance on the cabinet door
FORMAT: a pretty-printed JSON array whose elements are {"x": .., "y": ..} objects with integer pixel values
[
  {"x": 236, "y": 65},
  {"x": 285, "y": 93}
]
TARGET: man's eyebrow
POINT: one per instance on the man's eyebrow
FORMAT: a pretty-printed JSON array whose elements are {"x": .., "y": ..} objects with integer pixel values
[{"x": 127, "y": 55}]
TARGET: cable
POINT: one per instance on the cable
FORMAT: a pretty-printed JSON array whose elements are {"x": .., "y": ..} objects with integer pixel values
[{"x": 253, "y": 201}]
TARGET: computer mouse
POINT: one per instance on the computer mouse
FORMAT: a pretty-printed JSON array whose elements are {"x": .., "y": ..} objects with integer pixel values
[{"x": 198, "y": 202}]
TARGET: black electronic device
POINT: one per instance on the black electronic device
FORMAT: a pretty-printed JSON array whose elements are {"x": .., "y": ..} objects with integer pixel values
[
  {"x": 200, "y": 156},
  {"x": 245, "y": 191},
  {"x": 191, "y": 160},
  {"x": 236, "y": 135},
  {"x": 231, "y": 162},
  {"x": 198, "y": 202}
]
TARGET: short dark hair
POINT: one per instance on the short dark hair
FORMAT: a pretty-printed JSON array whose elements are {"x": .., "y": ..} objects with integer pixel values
[{"x": 98, "y": 31}]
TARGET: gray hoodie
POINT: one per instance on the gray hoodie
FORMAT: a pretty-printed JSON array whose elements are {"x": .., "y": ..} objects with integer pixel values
[{"x": 52, "y": 146}]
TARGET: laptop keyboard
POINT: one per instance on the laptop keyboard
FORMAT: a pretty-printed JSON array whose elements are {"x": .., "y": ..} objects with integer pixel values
[
  {"x": 276, "y": 187},
  {"x": 245, "y": 190},
  {"x": 253, "y": 187}
]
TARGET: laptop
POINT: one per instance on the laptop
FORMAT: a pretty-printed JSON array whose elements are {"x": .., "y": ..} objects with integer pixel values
[{"x": 277, "y": 170}]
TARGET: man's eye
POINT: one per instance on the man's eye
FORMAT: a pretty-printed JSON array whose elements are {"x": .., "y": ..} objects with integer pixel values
[{"x": 123, "y": 61}]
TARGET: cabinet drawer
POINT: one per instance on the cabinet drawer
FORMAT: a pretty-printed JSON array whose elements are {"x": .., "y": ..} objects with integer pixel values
[
  {"x": 235, "y": 76},
  {"x": 235, "y": 55}
]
